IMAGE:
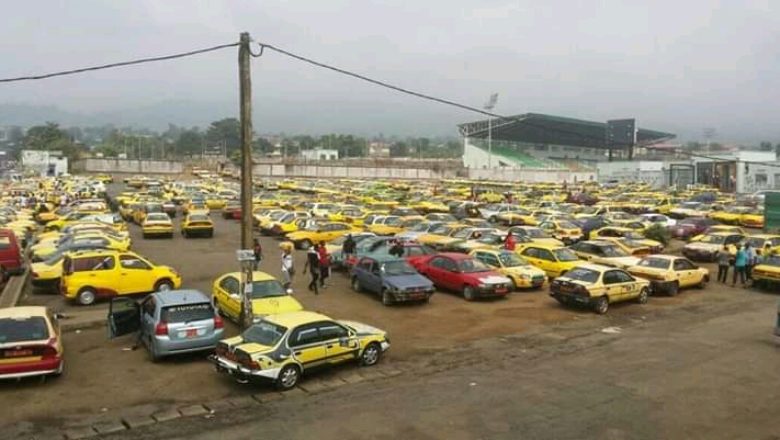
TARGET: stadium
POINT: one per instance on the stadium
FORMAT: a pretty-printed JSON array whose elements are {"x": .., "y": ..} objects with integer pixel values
[{"x": 539, "y": 141}]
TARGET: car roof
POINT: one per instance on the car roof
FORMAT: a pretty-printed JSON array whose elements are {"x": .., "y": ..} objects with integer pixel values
[
  {"x": 596, "y": 267},
  {"x": 183, "y": 296},
  {"x": 22, "y": 312},
  {"x": 665, "y": 257},
  {"x": 382, "y": 258},
  {"x": 454, "y": 255},
  {"x": 293, "y": 319},
  {"x": 256, "y": 275},
  {"x": 548, "y": 246}
]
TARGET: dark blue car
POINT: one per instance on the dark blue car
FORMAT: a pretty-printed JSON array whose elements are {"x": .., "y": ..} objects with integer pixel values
[{"x": 392, "y": 278}]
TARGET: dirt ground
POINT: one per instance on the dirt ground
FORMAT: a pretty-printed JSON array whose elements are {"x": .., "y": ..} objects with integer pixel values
[{"x": 103, "y": 374}]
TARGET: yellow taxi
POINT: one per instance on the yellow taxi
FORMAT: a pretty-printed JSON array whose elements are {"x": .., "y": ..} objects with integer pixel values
[
  {"x": 511, "y": 265},
  {"x": 708, "y": 246},
  {"x": 197, "y": 224},
  {"x": 597, "y": 286},
  {"x": 603, "y": 252},
  {"x": 621, "y": 232},
  {"x": 764, "y": 243},
  {"x": 320, "y": 232},
  {"x": 394, "y": 225},
  {"x": 289, "y": 222},
  {"x": 30, "y": 343},
  {"x": 553, "y": 260},
  {"x": 535, "y": 234},
  {"x": 194, "y": 206},
  {"x": 729, "y": 215},
  {"x": 42, "y": 251},
  {"x": 280, "y": 348},
  {"x": 157, "y": 224},
  {"x": 669, "y": 273},
  {"x": 268, "y": 296},
  {"x": 440, "y": 233},
  {"x": 265, "y": 219},
  {"x": 767, "y": 272},
  {"x": 215, "y": 201},
  {"x": 562, "y": 230},
  {"x": 719, "y": 228},
  {"x": 92, "y": 274},
  {"x": 46, "y": 274},
  {"x": 752, "y": 219},
  {"x": 70, "y": 218}
]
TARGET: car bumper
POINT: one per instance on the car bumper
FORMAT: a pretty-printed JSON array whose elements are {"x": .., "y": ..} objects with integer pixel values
[
  {"x": 491, "y": 291},
  {"x": 28, "y": 369},
  {"x": 158, "y": 231},
  {"x": 532, "y": 283},
  {"x": 412, "y": 295},
  {"x": 166, "y": 346},
  {"x": 572, "y": 298},
  {"x": 222, "y": 365}
]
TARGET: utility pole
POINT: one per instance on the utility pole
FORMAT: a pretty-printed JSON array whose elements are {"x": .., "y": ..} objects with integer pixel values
[{"x": 245, "y": 90}]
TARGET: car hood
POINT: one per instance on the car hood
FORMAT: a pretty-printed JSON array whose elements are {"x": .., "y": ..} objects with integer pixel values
[
  {"x": 623, "y": 261},
  {"x": 363, "y": 329},
  {"x": 407, "y": 281},
  {"x": 275, "y": 305},
  {"x": 487, "y": 278},
  {"x": 524, "y": 270},
  {"x": 703, "y": 246}
]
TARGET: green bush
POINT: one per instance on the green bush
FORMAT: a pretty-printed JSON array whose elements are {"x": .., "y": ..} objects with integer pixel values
[{"x": 659, "y": 233}]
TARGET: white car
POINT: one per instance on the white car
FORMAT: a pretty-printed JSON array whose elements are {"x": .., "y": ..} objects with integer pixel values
[{"x": 659, "y": 219}]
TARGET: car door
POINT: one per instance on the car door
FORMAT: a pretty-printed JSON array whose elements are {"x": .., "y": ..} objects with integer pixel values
[
  {"x": 307, "y": 345},
  {"x": 134, "y": 275},
  {"x": 228, "y": 296},
  {"x": 623, "y": 284},
  {"x": 548, "y": 262},
  {"x": 434, "y": 270},
  {"x": 612, "y": 284},
  {"x": 686, "y": 272},
  {"x": 148, "y": 315},
  {"x": 341, "y": 344},
  {"x": 124, "y": 317},
  {"x": 368, "y": 275},
  {"x": 531, "y": 254}
]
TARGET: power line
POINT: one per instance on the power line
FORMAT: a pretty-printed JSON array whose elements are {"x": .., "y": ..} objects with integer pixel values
[{"x": 119, "y": 64}]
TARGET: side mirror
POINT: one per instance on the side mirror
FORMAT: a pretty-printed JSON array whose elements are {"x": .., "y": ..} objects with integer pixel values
[
  {"x": 344, "y": 342},
  {"x": 59, "y": 316}
]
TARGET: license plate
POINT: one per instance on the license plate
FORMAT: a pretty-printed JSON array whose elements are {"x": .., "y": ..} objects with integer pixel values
[
  {"x": 501, "y": 290},
  {"x": 18, "y": 353},
  {"x": 191, "y": 333}
]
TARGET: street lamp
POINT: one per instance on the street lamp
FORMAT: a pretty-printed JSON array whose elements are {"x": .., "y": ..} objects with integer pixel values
[{"x": 489, "y": 107}]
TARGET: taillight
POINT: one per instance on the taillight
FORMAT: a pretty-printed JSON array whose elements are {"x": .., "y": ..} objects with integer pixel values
[
  {"x": 50, "y": 349},
  {"x": 161, "y": 329},
  {"x": 218, "y": 322}
]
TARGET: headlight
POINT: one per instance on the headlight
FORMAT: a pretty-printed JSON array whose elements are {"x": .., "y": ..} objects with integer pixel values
[
  {"x": 482, "y": 285},
  {"x": 525, "y": 277}
]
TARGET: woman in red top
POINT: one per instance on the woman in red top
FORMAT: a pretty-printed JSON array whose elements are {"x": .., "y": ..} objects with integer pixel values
[
  {"x": 509, "y": 242},
  {"x": 324, "y": 263}
]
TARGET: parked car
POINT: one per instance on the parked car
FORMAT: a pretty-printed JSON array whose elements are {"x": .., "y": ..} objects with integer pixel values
[
  {"x": 597, "y": 286},
  {"x": 197, "y": 224},
  {"x": 393, "y": 279},
  {"x": 707, "y": 248},
  {"x": 766, "y": 274},
  {"x": 269, "y": 297},
  {"x": 157, "y": 224},
  {"x": 669, "y": 273},
  {"x": 604, "y": 252},
  {"x": 464, "y": 274},
  {"x": 11, "y": 259},
  {"x": 280, "y": 348},
  {"x": 513, "y": 266},
  {"x": 553, "y": 260},
  {"x": 30, "y": 343},
  {"x": 168, "y": 323},
  {"x": 687, "y": 228}
]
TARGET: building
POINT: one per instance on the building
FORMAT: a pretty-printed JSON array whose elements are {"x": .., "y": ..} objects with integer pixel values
[
  {"x": 538, "y": 141},
  {"x": 378, "y": 149},
  {"x": 44, "y": 163},
  {"x": 320, "y": 154}
]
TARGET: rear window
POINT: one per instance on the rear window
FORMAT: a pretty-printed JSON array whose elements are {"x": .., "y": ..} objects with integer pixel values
[
  {"x": 20, "y": 330},
  {"x": 187, "y": 313},
  {"x": 583, "y": 274}
]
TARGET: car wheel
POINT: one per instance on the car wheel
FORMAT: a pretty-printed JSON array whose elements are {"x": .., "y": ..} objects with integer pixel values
[
  {"x": 356, "y": 285},
  {"x": 387, "y": 297},
  {"x": 60, "y": 369},
  {"x": 674, "y": 288},
  {"x": 469, "y": 294},
  {"x": 370, "y": 355},
  {"x": 288, "y": 377},
  {"x": 154, "y": 355},
  {"x": 703, "y": 283},
  {"x": 3, "y": 274},
  {"x": 643, "y": 294},
  {"x": 86, "y": 296},
  {"x": 602, "y": 305},
  {"x": 163, "y": 286},
  {"x": 305, "y": 245},
  {"x": 514, "y": 285}
]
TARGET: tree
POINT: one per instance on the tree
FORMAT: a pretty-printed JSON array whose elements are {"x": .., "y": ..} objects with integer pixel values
[
  {"x": 399, "y": 149},
  {"x": 52, "y": 138},
  {"x": 189, "y": 142},
  {"x": 765, "y": 146},
  {"x": 225, "y": 132}
]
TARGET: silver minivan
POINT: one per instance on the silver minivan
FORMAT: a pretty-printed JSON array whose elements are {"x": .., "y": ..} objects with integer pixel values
[{"x": 168, "y": 323}]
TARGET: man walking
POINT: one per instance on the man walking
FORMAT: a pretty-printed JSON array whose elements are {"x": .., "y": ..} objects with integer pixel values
[
  {"x": 740, "y": 262},
  {"x": 322, "y": 251},
  {"x": 724, "y": 258},
  {"x": 751, "y": 261},
  {"x": 348, "y": 248},
  {"x": 288, "y": 270},
  {"x": 313, "y": 266}
]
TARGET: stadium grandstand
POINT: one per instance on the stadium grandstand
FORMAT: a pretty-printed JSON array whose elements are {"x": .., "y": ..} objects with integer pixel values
[{"x": 538, "y": 141}]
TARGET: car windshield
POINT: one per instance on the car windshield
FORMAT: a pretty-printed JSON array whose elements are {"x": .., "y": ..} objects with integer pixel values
[
  {"x": 655, "y": 263},
  {"x": 511, "y": 259},
  {"x": 420, "y": 227},
  {"x": 398, "y": 267},
  {"x": 187, "y": 313},
  {"x": 535, "y": 233},
  {"x": 54, "y": 258},
  {"x": 567, "y": 225},
  {"x": 713, "y": 239},
  {"x": 755, "y": 242},
  {"x": 393, "y": 221},
  {"x": 472, "y": 265},
  {"x": 613, "y": 252},
  {"x": 23, "y": 329},
  {"x": 199, "y": 218},
  {"x": 463, "y": 233},
  {"x": 583, "y": 274},
  {"x": 267, "y": 289},
  {"x": 157, "y": 217},
  {"x": 264, "y": 333},
  {"x": 491, "y": 239},
  {"x": 773, "y": 260},
  {"x": 565, "y": 254}
]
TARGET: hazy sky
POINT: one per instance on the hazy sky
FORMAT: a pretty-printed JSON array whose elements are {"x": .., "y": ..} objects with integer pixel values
[{"x": 676, "y": 65}]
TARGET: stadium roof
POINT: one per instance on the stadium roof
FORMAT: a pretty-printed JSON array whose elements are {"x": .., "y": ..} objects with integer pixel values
[{"x": 537, "y": 128}]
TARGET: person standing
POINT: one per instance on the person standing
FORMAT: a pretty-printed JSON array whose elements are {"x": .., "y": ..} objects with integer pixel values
[
  {"x": 322, "y": 251},
  {"x": 348, "y": 248},
  {"x": 724, "y": 258},
  {"x": 313, "y": 267},
  {"x": 509, "y": 242},
  {"x": 397, "y": 249},
  {"x": 258, "y": 251},
  {"x": 288, "y": 269},
  {"x": 740, "y": 261},
  {"x": 751, "y": 261}
]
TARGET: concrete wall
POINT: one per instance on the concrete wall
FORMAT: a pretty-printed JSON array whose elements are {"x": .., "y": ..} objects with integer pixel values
[
  {"x": 324, "y": 171},
  {"x": 94, "y": 165},
  {"x": 522, "y": 175}
]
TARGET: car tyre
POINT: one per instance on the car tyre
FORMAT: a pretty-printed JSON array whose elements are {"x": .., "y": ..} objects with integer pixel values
[
  {"x": 87, "y": 296},
  {"x": 154, "y": 356},
  {"x": 387, "y": 298},
  {"x": 643, "y": 295},
  {"x": 469, "y": 294},
  {"x": 602, "y": 305},
  {"x": 163, "y": 285},
  {"x": 60, "y": 369},
  {"x": 515, "y": 288},
  {"x": 288, "y": 377},
  {"x": 704, "y": 280},
  {"x": 371, "y": 355},
  {"x": 674, "y": 288},
  {"x": 356, "y": 285}
]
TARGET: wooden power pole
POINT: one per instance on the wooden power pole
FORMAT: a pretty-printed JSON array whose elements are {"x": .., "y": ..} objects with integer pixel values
[{"x": 245, "y": 88}]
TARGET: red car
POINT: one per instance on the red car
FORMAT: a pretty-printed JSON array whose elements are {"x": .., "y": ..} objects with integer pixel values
[
  {"x": 691, "y": 227},
  {"x": 464, "y": 274},
  {"x": 232, "y": 211},
  {"x": 11, "y": 261}
]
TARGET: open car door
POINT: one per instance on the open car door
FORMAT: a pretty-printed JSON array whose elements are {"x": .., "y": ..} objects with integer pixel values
[{"x": 124, "y": 317}]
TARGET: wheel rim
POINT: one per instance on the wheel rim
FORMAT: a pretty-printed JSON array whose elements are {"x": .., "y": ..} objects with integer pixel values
[
  {"x": 370, "y": 355},
  {"x": 603, "y": 305},
  {"x": 643, "y": 296},
  {"x": 289, "y": 377},
  {"x": 386, "y": 298},
  {"x": 355, "y": 285},
  {"x": 87, "y": 297},
  {"x": 164, "y": 287},
  {"x": 468, "y": 293}
]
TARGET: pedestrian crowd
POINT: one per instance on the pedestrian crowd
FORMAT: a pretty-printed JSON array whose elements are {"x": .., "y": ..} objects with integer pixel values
[{"x": 740, "y": 264}]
